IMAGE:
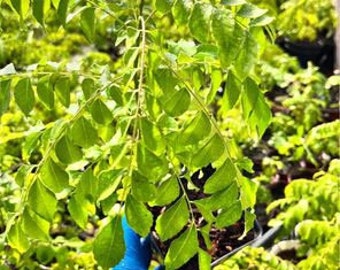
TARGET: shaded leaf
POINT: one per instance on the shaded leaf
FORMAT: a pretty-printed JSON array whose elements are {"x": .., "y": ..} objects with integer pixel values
[
  {"x": 87, "y": 22},
  {"x": 21, "y": 7},
  {"x": 39, "y": 9},
  {"x": 151, "y": 136},
  {"x": 88, "y": 87},
  {"x": 141, "y": 188},
  {"x": 5, "y": 95},
  {"x": 100, "y": 112},
  {"x": 175, "y": 102},
  {"x": 108, "y": 182},
  {"x": 138, "y": 216},
  {"x": 45, "y": 92},
  {"x": 232, "y": 91},
  {"x": 62, "y": 11},
  {"x": 62, "y": 88},
  {"x": 182, "y": 249},
  {"x": 66, "y": 151},
  {"x": 109, "y": 246},
  {"x": 163, "y": 5},
  {"x": 24, "y": 96},
  {"x": 172, "y": 220},
  {"x": 199, "y": 21},
  {"x": 181, "y": 11},
  {"x": 83, "y": 133}
]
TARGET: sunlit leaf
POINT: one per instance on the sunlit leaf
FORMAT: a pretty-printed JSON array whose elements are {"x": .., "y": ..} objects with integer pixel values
[
  {"x": 138, "y": 216},
  {"x": 62, "y": 88},
  {"x": 229, "y": 216},
  {"x": 248, "y": 193},
  {"x": 100, "y": 112},
  {"x": 172, "y": 220},
  {"x": 199, "y": 21},
  {"x": 109, "y": 246},
  {"x": 167, "y": 192},
  {"x": 66, "y": 151},
  {"x": 83, "y": 133},
  {"x": 17, "y": 238},
  {"x": 176, "y": 103},
  {"x": 181, "y": 11},
  {"x": 182, "y": 249},
  {"x": 141, "y": 188},
  {"x": 78, "y": 211},
  {"x": 232, "y": 91},
  {"x": 152, "y": 136},
  {"x": 34, "y": 226},
  {"x": 87, "y": 22},
  {"x": 53, "y": 176},
  {"x": 24, "y": 96}
]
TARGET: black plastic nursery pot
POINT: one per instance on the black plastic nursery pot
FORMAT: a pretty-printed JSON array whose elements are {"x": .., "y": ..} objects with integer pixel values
[
  {"x": 321, "y": 52},
  {"x": 255, "y": 234}
]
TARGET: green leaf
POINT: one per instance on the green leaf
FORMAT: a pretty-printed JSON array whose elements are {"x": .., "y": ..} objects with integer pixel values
[
  {"x": 248, "y": 193},
  {"x": 181, "y": 11},
  {"x": 228, "y": 35},
  {"x": 62, "y": 11},
  {"x": 53, "y": 176},
  {"x": 88, "y": 186},
  {"x": 199, "y": 21},
  {"x": 204, "y": 259},
  {"x": 66, "y": 151},
  {"x": 21, "y": 7},
  {"x": 115, "y": 92},
  {"x": 17, "y": 238},
  {"x": 141, "y": 188},
  {"x": 83, "y": 133},
  {"x": 232, "y": 91},
  {"x": 175, "y": 103},
  {"x": 167, "y": 192},
  {"x": 198, "y": 129},
  {"x": 182, "y": 249},
  {"x": 151, "y": 166},
  {"x": 229, "y": 216},
  {"x": 152, "y": 137},
  {"x": 39, "y": 9},
  {"x": 78, "y": 210},
  {"x": 108, "y": 182},
  {"x": 249, "y": 222},
  {"x": 233, "y": 2},
  {"x": 5, "y": 95},
  {"x": 42, "y": 201},
  {"x": 255, "y": 109},
  {"x": 247, "y": 57},
  {"x": 138, "y": 216},
  {"x": 30, "y": 145},
  {"x": 24, "y": 96},
  {"x": 222, "y": 178},
  {"x": 87, "y": 23},
  {"x": 169, "y": 223},
  {"x": 163, "y": 5},
  {"x": 62, "y": 88},
  {"x": 34, "y": 226},
  {"x": 109, "y": 246},
  {"x": 210, "y": 152},
  {"x": 88, "y": 87},
  {"x": 100, "y": 112},
  {"x": 251, "y": 11},
  {"x": 165, "y": 79},
  {"x": 45, "y": 92}
]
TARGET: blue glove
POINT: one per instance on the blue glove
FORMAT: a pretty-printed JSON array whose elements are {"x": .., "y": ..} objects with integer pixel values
[{"x": 138, "y": 251}]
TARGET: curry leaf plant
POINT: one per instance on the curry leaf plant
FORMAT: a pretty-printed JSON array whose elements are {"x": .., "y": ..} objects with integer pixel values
[{"x": 127, "y": 137}]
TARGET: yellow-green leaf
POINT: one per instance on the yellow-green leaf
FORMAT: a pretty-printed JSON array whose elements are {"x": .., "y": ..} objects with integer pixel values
[
  {"x": 53, "y": 176},
  {"x": 24, "y": 96},
  {"x": 45, "y": 92},
  {"x": 62, "y": 88},
  {"x": 87, "y": 22},
  {"x": 83, "y": 133}
]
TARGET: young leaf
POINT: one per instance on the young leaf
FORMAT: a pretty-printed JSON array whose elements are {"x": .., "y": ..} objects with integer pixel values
[
  {"x": 62, "y": 11},
  {"x": 17, "y": 238},
  {"x": 222, "y": 178},
  {"x": 172, "y": 220},
  {"x": 42, "y": 201},
  {"x": 181, "y": 11},
  {"x": 66, "y": 151},
  {"x": 39, "y": 9},
  {"x": 88, "y": 87},
  {"x": 24, "y": 96},
  {"x": 53, "y": 176},
  {"x": 167, "y": 192},
  {"x": 87, "y": 23},
  {"x": 232, "y": 91},
  {"x": 45, "y": 92},
  {"x": 182, "y": 249},
  {"x": 5, "y": 95},
  {"x": 83, "y": 133},
  {"x": 34, "y": 226},
  {"x": 199, "y": 21},
  {"x": 175, "y": 102},
  {"x": 100, "y": 112},
  {"x": 109, "y": 246},
  {"x": 229, "y": 216},
  {"x": 138, "y": 216},
  {"x": 62, "y": 88}
]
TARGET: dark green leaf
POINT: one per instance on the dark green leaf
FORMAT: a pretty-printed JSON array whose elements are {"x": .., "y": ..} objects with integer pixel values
[
  {"x": 45, "y": 92},
  {"x": 175, "y": 102},
  {"x": 83, "y": 133},
  {"x": 229, "y": 216},
  {"x": 199, "y": 21},
  {"x": 138, "y": 216},
  {"x": 62, "y": 88},
  {"x": 53, "y": 176},
  {"x": 42, "y": 201},
  {"x": 5, "y": 95},
  {"x": 24, "y": 96},
  {"x": 172, "y": 220},
  {"x": 87, "y": 23},
  {"x": 232, "y": 91},
  {"x": 109, "y": 246},
  {"x": 100, "y": 112},
  {"x": 62, "y": 11},
  {"x": 115, "y": 92},
  {"x": 209, "y": 153},
  {"x": 167, "y": 192},
  {"x": 182, "y": 249},
  {"x": 222, "y": 178},
  {"x": 66, "y": 151},
  {"x": 181, "y": 11},
  {"x": 39, "y": 9},
  {"x": 88, "y": 87},
  {"x": 21, "y": 7}
]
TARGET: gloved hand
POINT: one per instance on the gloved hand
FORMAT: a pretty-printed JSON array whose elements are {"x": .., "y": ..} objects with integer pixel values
[{"x": 138, "y": 251}]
